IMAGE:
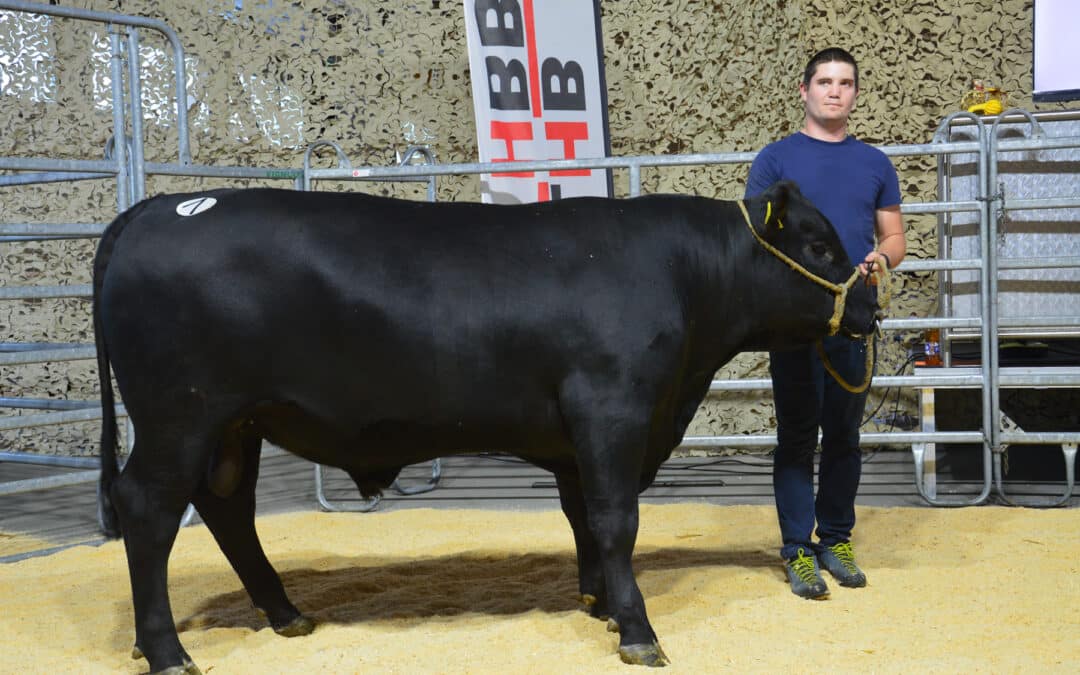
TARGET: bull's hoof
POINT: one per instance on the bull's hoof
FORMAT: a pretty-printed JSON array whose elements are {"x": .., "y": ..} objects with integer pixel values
[
  {"x": 595, "y": 609},
  {"x": 188, "y": 668},
  {"x": 644, "y": 655},
  {"x": 612, "y": 625},
  {"x": 301, "y": 625}
]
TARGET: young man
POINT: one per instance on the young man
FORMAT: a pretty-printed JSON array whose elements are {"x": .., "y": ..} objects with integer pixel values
[{"x": 856, "y": 187}]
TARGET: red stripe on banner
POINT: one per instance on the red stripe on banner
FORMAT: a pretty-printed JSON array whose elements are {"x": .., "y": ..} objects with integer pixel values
[{"x": 534, "y": 68}]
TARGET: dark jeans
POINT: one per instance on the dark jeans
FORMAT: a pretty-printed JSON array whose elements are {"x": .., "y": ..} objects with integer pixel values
[{"x": 807, "y": 398}]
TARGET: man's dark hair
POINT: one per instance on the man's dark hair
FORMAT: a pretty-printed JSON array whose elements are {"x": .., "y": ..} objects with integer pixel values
[{"x": 825, "y": 56}]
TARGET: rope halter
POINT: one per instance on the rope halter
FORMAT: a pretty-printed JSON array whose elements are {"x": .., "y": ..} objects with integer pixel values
[{"x": 879, "y": 274}]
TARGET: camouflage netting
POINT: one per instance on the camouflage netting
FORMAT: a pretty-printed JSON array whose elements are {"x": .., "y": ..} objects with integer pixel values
[{"x": 267, "y": 80}]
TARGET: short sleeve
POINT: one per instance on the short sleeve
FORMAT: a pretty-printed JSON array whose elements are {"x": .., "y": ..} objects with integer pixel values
[
  {"x": 890, "y": 184},
  {"x": 763, "y": 173}
]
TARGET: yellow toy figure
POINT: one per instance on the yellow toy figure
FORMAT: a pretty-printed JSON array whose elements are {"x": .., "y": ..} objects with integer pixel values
[{"x": 983, "y": 100}]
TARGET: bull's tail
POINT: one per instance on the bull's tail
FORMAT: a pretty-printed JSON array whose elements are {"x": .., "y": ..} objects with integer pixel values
[{"x": 107, "y": 516}]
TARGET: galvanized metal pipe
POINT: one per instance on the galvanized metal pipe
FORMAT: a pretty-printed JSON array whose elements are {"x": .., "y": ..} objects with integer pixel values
[
  {"x": 47, "y": 355},
  {"x": 74, "y": 165},
  {"x": 123, "y": 178},
  {"x": 30, "y": 346},
  {"x": 45, "y": 404},
  {"x": 41, "y": 292},
  {"x": 50, "y": 177},
  {"x": 961, "y": 377},
  {"x": 138, "y": 167},
  {"x": 60, "y": 480},
  {"x": 50, "y": 460},
  {"x": 872, "y": 438},
  {"x": 53, "y": 419},
  {"x": 206, "y": 171},
  {"x": 73, "y": 230}
]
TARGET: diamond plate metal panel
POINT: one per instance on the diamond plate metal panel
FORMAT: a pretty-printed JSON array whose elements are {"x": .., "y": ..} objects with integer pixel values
[{"x": 1031, "y": 233}]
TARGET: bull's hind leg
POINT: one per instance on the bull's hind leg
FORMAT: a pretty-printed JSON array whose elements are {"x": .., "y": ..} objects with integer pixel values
[
  {"x": 590, "y": 572},
  {"x": 228, "y": 509},
  {"x": 151, "y": 495}
]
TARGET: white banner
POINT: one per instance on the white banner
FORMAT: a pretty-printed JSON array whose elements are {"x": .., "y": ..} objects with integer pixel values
[{"x": 539, "y": 93}]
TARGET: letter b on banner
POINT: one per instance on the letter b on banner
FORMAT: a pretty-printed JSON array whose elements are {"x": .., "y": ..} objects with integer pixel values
[
  {"x": 503, "y": 80},
  {"x": 570, "y": 80},
  {"x": 497, "y": 33}
]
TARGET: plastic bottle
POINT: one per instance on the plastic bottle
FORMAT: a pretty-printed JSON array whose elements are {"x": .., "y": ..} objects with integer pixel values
[{"x": 932, "y": 347}]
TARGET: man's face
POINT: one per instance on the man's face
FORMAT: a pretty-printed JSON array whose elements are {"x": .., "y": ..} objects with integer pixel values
[{"x": 831, "y": 93}]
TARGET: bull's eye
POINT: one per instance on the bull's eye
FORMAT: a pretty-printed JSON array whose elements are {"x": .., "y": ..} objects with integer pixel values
[{"x": 819, "y": 249}]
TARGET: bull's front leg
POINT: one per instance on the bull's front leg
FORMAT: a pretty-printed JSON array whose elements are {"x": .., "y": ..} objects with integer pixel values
[
  {"x": 609, "y": 434},
  {"x": 613, "y": 519},
  {"x": 590, "y": 571}
]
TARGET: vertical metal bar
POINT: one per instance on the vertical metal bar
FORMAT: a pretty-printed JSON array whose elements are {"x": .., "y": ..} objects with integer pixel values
[
  {"x": 944, "y": 232},
  {"x": 987, "y": 336},
  {"x": 138, "y": 162},
  {"x": 181, "y": 97},
  {"x": 123, "y": 196},
  {"x": 990, "y": 320},
  {"x": 635, "y": 179}
]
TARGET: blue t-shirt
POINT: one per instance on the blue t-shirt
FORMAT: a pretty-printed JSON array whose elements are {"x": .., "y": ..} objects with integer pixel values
[{"x": 846, "y": 180}]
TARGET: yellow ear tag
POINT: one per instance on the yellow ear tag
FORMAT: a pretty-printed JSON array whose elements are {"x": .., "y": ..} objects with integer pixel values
[{"x": 768, "y": 215}]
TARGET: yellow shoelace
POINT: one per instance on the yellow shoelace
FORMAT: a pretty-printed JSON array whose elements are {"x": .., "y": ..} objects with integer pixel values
[
  {"x": 846, "y": 555},
  {"x": 804, "y": 567}
]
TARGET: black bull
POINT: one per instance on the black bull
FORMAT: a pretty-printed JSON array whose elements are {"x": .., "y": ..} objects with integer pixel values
[{"x": 369, "y": 334}]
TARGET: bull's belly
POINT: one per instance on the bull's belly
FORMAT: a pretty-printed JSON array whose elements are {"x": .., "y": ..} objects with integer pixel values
[{"x": 391, "y": 443}]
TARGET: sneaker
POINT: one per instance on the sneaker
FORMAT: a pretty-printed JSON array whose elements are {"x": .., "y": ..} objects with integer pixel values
[
  {"x": 805, "y": 579},
  {"x": 839, "y": 559}
]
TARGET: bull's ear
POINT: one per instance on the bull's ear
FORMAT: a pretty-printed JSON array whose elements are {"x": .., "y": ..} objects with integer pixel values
[{"x": 774, "y": 203}]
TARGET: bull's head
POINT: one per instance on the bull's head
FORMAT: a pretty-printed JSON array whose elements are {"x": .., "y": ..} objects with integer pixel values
[{"x": 789, "y": 224}]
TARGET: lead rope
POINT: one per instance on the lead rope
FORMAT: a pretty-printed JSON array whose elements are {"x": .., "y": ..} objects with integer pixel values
[
  {"x": 869, "y": 366},
  {"x": 840, "y": 292}
]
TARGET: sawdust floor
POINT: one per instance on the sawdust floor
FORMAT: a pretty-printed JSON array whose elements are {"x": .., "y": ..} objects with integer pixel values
[{"x": 975, "y": 590}]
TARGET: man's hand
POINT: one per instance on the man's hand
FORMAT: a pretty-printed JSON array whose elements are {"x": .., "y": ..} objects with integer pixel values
[{"x": 874, "y": 260}]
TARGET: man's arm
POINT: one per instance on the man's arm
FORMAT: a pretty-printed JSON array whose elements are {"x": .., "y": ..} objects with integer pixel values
[{"x": 889, "y": 232}]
